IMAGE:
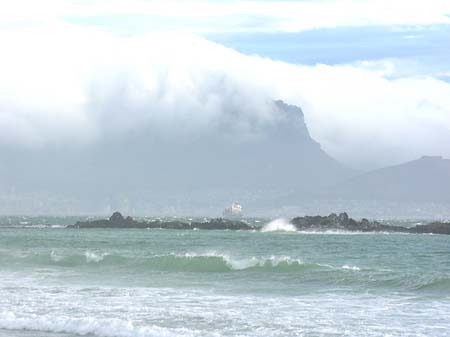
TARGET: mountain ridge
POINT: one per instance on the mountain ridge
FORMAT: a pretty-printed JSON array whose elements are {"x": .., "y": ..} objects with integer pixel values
[{"x": 424, "y": 179}]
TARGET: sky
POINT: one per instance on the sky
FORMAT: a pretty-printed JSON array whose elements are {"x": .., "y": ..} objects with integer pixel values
[{"x": 372, "y": 76}]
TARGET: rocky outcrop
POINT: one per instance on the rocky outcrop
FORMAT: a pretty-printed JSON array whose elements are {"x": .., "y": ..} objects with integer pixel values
[
  {"x": 341, "y": 222},
  {"x": 344, "y": 223},
  {"x": 432, "y": 228},
  {"x": 317, "y": 223},
  {"x": 118, "y": 221}
]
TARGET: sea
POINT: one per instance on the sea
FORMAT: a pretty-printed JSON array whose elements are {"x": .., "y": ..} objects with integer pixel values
[{"x": 273, "y": 281}]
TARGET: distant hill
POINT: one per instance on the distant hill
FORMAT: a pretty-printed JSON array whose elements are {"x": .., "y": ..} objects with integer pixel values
[
  {"x": 253, "y": 161},
  {"x": 423, "y": 180}
]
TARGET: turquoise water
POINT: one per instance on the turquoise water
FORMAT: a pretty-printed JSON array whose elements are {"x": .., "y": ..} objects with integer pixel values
[{"x": 109, "y": 282}]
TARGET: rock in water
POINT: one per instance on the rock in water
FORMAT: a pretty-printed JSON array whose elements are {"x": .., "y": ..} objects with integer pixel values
[
  {"x": 117, "y": 218},
  {"x": 344, "y": 223},
  {"x": 118, "y": 221}
]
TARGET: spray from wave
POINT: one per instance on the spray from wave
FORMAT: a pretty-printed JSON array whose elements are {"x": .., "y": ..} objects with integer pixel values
[{"x": 279, "y": 225}]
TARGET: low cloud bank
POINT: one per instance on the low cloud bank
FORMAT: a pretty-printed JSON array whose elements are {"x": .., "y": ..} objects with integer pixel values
[{"x": 63, "y": 84}]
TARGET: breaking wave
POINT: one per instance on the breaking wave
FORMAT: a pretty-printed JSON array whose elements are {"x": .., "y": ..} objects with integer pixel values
[
  {"x": 215, "y": 262},
  {"x": 279, "y": 225},
  {"x": 94, "y": 257},
  {"x": 222, "y": 263},
  {"x": 87, "y": 257},
  {"x": 188, "y": 262},
  {"x": 86, "y": 326},
  {"x": 59, "y": 259}
]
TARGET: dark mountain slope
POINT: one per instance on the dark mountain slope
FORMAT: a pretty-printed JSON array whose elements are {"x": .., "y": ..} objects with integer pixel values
[{"x": 423, "y": 180}]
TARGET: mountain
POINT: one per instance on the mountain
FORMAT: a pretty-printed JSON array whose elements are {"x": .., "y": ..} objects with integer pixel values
[
  {"x": 148, "y": 169},
  {"x": 426, "y": 179}
]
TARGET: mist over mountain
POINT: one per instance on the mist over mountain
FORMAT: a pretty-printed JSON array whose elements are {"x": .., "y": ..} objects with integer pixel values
[
  {"x": 236, "y": 157},
  {"x": 263, "y": 156}
]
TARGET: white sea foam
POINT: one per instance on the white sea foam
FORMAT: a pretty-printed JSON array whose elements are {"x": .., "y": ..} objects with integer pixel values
[
  {"x": 350, "y": 267},
  {"x": 272, "y": 261},
  {"x": 245, "y": 263},
  {"x": 279, "y": 225},
  {"x": 237, "y": 264},
  {"x": 86, "y": 326},
  {"x": 94, "y": 257}
]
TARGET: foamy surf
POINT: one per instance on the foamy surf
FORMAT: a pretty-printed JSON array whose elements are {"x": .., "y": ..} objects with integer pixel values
[
  {"x": 94, "y": 256},
  {"x": 89, "y": 257},
  {"x": 347, "y": 267},
  {"x": 157, "y": 283},
  {"x": 112, "y": 327},
  {"x": 279, "y": 225}
]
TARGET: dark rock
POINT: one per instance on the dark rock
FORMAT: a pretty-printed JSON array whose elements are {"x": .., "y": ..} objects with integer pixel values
[
  {"x": 118, "y": 221},
  {"x": 337, "y": 222},
  {"x": 310, "y": 223},
  {"x": 222, "y": 224},
  {"x": 343, "y": 222},
  {"x": 116, "y": 218},
  {"x": 432, "y": 228}
]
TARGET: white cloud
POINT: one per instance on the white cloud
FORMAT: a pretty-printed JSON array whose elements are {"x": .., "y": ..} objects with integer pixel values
[
  {"x": 360, "y": 116},
  {"x": 62, "y": 83},
  {"x": 65, "y": 83},
  {"x": 232, "y": 16}
]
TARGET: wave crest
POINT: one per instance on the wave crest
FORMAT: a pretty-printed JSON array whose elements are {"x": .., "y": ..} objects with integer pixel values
[
  {"x": 70, "y": 260},
  {"x": 213, "y": 262},
  {"x": 94, "y": 257},
  {"x": 188, "y": 262}
]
